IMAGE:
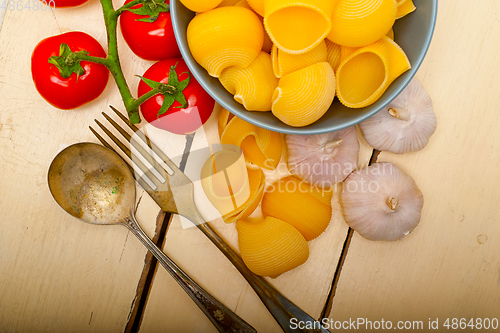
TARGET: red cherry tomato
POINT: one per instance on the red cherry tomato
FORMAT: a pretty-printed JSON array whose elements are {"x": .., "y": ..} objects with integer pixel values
[
  {"x": 66, "y": 3},
  {"x": 176, "y": 120},
  {"x": 72, "y": 92},
  {"x": 150, "y": 41}
]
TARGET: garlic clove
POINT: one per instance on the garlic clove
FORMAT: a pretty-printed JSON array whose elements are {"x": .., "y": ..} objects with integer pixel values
[
  {"x": 323, "y": 159},
  {"x": 405, "y": 125},
  {"x": 381, "y": 202}
]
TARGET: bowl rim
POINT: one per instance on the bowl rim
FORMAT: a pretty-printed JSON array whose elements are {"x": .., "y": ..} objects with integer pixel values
[{"x": 303, "y": 130}]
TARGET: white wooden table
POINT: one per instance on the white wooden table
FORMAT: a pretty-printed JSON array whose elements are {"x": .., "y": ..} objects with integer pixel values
[{"x": 60, "y": 275}]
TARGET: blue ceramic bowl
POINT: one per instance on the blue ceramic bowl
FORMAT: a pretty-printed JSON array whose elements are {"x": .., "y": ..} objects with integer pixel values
[{"x": 413, "y": 33}]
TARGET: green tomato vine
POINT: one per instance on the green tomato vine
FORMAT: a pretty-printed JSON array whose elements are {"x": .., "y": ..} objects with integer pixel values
[{"x": 68, "y": 62}]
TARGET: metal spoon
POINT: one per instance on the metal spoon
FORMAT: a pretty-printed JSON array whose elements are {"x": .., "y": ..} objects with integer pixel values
[{"x": 94, "y": 184}]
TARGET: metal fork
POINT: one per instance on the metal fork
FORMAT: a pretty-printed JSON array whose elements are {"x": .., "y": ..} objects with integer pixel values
[{"x": 283, "y": 310}]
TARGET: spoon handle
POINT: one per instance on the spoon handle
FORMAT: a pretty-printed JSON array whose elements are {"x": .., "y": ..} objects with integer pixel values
[{"x": 223, "y": 319}]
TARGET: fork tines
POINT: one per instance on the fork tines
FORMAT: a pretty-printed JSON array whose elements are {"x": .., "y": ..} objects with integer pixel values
[{"x": 161, "y": 171}]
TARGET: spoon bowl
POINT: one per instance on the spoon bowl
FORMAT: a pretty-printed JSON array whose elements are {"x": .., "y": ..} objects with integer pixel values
[{"x": 93, "y": 184}]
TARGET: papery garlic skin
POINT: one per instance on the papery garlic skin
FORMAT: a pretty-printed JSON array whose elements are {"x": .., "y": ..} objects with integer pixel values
[
  {"x": 405, "y": 125},
  {"x": 323, "y": 159},
  {"x": 381, "y": 202}
]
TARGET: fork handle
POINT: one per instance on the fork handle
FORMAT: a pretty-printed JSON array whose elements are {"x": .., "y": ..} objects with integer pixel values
[
  {"x": 284, "y": 311},
  {"x": 223, "y": 319}
]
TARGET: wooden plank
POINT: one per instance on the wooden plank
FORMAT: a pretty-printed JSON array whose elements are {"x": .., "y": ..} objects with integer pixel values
[
  {"x": 57, "y": 274},
  {"x": 308, "y": 286},
  {"x": 449, "y": 266}
]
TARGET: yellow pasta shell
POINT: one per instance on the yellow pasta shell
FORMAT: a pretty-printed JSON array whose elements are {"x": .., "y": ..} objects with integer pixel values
[
  {"x": 224, "y": 118},
  {"x": 345, "y": 52},
  {"x": 304, "y": 96},
  {"x": 405, "y": 7},
  {"x": 243, "y": 3},
  {"x": 225, "y": 3},
  {"x": 200, "y": 6},
  {"x": 286, "y": 63},
  {"x": 260, "y": 146},
  {"x": 297, "y": 26},
  {"x": 390, "y": 34},
  {"x": 305, "y": 207},
  {"x": 358, "y": 23},
  {"x": 252, "y": 86},
  {"x": 332, "y": 54},
  {"x": 268, "y": 43},
  {"x": 231, "y": 204},
  {"x": 224, "y": 37},
  {"x": 224, "y": 179},
  {"x": 271, "y": 247},
  {"x": 256, "y": 183},
  {"x": 365, "y": 75},
  {"x": 257, "y": 6}
]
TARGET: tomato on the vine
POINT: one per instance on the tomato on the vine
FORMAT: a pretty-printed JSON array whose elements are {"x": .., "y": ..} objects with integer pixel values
[
  {"x": 149, "y": 36},
  {"x": 177, "y": 118},
  {"x": 84, "y": 81}
]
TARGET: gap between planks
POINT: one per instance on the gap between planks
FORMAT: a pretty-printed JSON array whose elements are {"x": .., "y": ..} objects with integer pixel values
[
  {"x": 151, "y": 264},
  {"x": 145, "y": 283},
  {"x": 329, "y": 302}
]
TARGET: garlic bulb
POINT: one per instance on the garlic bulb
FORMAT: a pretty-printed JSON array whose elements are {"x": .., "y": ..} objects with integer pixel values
[
  {"x": 406, "y": 124},
  {"x": 381, "y": 202},
  {"x": 323, "y": 159}
]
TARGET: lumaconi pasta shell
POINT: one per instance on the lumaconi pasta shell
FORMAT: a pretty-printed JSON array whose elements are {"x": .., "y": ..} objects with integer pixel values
[
  {"x": 224, "y": 179},
  {"x": 405, "y": 7},
  {"x": 260, "y": 146},
  {"x": 201, "y": 6},
  {"x": 305, "y": 207},
  {"x": 365, "y": 75},
  {"x": 244, "y": 4},
  {"x": 224, "y": 37},
  {"x": 252, "y": 86},
  {"x": 333, "y": 54},
  {"x": 390, "y": 34},
  {"x": 268, "y": 43},
  {"x": 270, "y": 247},
  {"x": 296, "y": 26},
  {"x": 224, "y": 118},
  {"x": 304, "y": 96},
  {"x": 256, "y": 181},
  {"x": 286, "y": 63},
  {"x": 345, "y": 52},
  {"x": 257, "y": 6},
  {"x": 225, "y": 3},
  {"x": 359, "y": 23}
]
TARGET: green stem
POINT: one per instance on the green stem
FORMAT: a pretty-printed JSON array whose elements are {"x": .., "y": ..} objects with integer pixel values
[
  {"x": 97, "y": 60},
  {"x": 111, "y": 20},
  {"x": 112, "y": 61},
  {"x": 131, "y": 4},
  {"x": 146, "y": 96}
]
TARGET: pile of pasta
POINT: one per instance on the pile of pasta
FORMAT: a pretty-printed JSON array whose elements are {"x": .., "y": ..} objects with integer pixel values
[
  {"x": 292, "y": 57},
  {"x": 293, "y": 212}
]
